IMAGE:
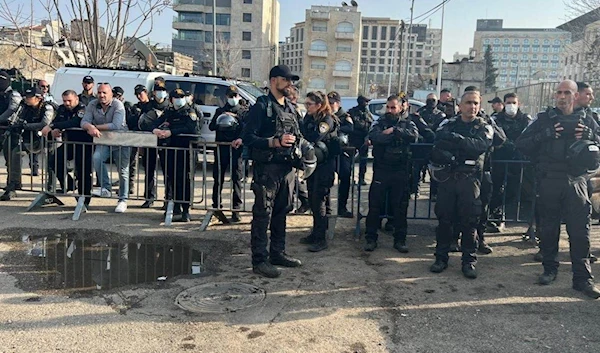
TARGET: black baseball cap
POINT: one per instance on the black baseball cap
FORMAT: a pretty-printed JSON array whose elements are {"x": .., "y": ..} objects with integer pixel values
[
  {"x": 363, "y": 99},
  {"x": 118, "y": 91},
  {"x": 139, "y": 89},
  {"x": 232, "y": 91},
  {"x": 160, "y": 86},
  {"x": 88, "y": 79},
  {"x": 177, "y": 93},
  {"x": 496, "y": 100},
  {"x": 283, "y": 71},
  {"x": 34, "y": 92},
  {"x": 333, "y": 96}
]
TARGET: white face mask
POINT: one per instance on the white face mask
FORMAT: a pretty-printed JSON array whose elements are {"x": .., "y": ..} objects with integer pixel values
[
  {"x": 161, "y": 94},
  {"x": 233, "y": 101},
  {"x": 178, "y": 103},
  {"x": 511, "y": 108}
]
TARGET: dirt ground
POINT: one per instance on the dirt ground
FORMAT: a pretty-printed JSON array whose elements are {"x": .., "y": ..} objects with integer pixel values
[{"x": 340, "y": 300}]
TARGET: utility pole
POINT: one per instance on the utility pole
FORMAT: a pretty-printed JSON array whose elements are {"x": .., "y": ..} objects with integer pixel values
[
  {"x": 391, "y": 68},
  {"x": 409, "y": 52},
  {"x": 400, "y": 47},
  {"x": 439, "y": 73},
  {"x": 214, "y": 37}
]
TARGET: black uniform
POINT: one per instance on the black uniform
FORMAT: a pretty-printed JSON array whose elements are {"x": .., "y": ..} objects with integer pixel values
[
  {"x": 322, "y": 130},
  {"x": 227, "y": 157},
  {"x": 85, "y": 99},
  {"x": 177, "y": 162},
  {"x": 431, "y": 115},
  {"x": 23, "y": 137},
  {"x": 420, "y": 152},
  {"x": 459, "y": 191},
  {"x": 301, "y": 188},
  {"x": 512, "y": 127},
  {"x": 391, "y": 174},
  {"x": 149, "y": 112},
  {"x": 345, "y": 162},
  {"x": 560, "y": 196},
  {"x": 9, "y": 103},
  {"x": 273, "y": 174},
  {"x": 363, "y": 119},
  {"x": 68, "y": 119}
]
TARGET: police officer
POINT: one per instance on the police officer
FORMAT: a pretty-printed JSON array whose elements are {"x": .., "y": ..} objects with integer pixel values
[
  {"x": 68, "y": 116},
  {"x": 319, "y": 127},
  {"x": 229, "y": 130},
  {"x": 563, "y": 193},
  {"x": 345, "y": 158},
  {"x": 301, "y": 189},
  {"x": 23, "y": 136},
  {"x": 177, "y": 120},
  {"x": 512, "y": 121},
  {"x": 150, "y": 110},
  {"x": 363, "y": 119},
  {"x": 460, "y": 147},
  {"x": 497, "y": 106},
  {"x": 87, "y": 95},
  {"x": 391, "y": 137},
  {"x": 585, "y": 99},
  {"x": 9, "y": 102},
  {"x": 272, "y": 133},
  {"x": 445, "y": 98},
  {"x": 430, "y": 112},
  {"x": 131, "y": 118},
  {"x": 420, "y": 152}
]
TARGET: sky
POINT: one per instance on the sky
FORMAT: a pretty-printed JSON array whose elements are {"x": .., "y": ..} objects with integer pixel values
[{"x": 460, "y": 16}]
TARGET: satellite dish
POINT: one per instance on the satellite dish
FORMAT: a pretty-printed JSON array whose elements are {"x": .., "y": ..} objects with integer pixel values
[
  {"x": 52, "y": 34},
  {"x": 344, "y": 4},
  {"x": 354, "y": 3},
  {"x": 143, "y": 51}
]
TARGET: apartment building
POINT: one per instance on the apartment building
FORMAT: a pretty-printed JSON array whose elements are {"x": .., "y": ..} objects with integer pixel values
[
  {"x": 247, "y": 35},
  {"x": 521, "y": 55},
  {"x": 581, "y": 57}
]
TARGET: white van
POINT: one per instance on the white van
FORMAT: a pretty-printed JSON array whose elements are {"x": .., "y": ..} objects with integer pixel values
[
  {"x": 71, "y": 77},
  {"x": 209, "y": 93}
]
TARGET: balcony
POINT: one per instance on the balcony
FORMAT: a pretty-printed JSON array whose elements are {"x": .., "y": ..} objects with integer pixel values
[
  {"x": 189, "y": 25},
  {"x": 320, "y": 15},
  {"x": 337, "y": 73},
  {"x": 344, "y": 35},
  {"x": 319, "y": 53}
]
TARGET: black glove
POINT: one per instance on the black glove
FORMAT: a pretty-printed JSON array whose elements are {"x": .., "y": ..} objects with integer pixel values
[
  {"x": 587, "y": 134},
  {"x": 17, "y": 126}
]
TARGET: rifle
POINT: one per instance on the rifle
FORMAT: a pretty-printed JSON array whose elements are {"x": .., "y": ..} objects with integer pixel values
[{"x": 15, "y": 121}]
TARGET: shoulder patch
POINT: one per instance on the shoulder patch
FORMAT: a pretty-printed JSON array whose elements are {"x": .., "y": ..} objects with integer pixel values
[
  {"x": 193, "y": 116},
  {"x": 489, "y": 131},
  {"x": 80, "y": 114},
  {"x": 324, "y": 128},
  {"x": 445, "y": 121}
]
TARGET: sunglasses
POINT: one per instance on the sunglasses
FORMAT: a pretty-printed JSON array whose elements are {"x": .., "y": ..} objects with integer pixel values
[{"x": 43, "y": 86}]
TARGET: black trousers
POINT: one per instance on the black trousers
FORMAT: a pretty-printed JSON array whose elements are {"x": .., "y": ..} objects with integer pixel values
[
  {"x": 58, "y": 167},
  {"x": 395, "y": 184},
  {"x": 178, "y": 177},
  {"x": 319, "y": 186},
  {"x": 14, "y": 149},
  {"x": 273, "y": 187},
  {"x": 505, "y": 179},
  {"x": 486, "y": 196},
  {"x": 363, "y": 155},
  {"x": 228, "y": 158},
  {"x": 458, "y": 197},
  {"x": 133, "y": 165},
  {"x": 344, "y": 175},
  {"x": 561, "y": 198},
  {"x": 150, "y": 159},
  {"x": 83, "y": 163}
]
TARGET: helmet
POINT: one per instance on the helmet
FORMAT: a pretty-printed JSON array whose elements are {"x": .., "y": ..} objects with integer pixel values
[
  {"x": 343, "y": 138},
  {"x": 583, "y": 157},
  {"x": 226, "y": 122},
  {"x": 321, "y": 151},
  {"x": 442, "y": 157},
  {"x": 309, "y": 158}
]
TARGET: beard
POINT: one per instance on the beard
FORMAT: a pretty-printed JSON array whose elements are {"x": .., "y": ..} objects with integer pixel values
[{"x": 284, "y": 92}]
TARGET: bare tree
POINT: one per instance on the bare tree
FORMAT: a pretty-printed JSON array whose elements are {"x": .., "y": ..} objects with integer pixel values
[
  {"x": 586, "y": 38},
  {"x": 95, "y": 28},
  {"x": 229, "y": 55}
]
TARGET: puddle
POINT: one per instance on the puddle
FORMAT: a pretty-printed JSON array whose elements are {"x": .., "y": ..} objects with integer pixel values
[{"x": 62, "y": 262}]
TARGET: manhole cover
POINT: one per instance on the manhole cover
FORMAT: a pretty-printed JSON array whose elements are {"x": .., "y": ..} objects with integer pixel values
[{"x": 221, "y": 297}]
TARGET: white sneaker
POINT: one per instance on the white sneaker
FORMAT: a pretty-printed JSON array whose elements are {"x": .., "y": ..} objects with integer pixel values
[
  {"x": 121, "y": 207},
  {"x": 102, "y": 193}
]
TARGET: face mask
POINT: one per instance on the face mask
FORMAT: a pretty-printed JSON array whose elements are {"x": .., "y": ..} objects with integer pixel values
[
  {"x": 233, "y": 101},
  {"x": 511, "y": 109},
  {"x": 161, "y": 94},
  {"x": 430, "y": 102},
  {"x": 178, "y": 103}
]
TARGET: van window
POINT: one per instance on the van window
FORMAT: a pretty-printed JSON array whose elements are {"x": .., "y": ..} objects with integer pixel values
[{"x": 204, "y": 93}]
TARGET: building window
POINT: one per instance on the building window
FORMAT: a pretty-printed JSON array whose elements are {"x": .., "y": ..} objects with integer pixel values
[
  {"x": 345, "y": 27},
  {"x": 536, "y": 49},
  {"x": 343, "y": 65},
  {"x": 318, "y": 64},
  {"x": 525, "y": 56},
  {"x": 506, "y": 41},
  {"x": 365, "y": 32},
  {"x": 373, "y": 52},
  {"x": 381, "y": 61},
  {"x": 365, "y": 44},
  {"x": 316, "y": 83},
  {"x": 383, "y": 33},
  {"x": 546, "y": 42},
  {"x": 246, "y": 36},
  {"x": 382, "y": 45},
  {"x": 223, "y": 19},
  {"x": 319, "y": 27},
  {"x": 247, "y": 17},
  {"x": 363, "y": 52},
  {"x": 245, "y": 72},
  {"x": 247, "y": 1},
  {"x": 536, "y": 42},
  {"x": 382, "y": 53},
  {"x": 372, "y": 60},
  {"x": 496, "y": 41},
  {"x": 246, "y": 54},
  {"x": 392, "y": 33},
  {"x": 382, "y": 69},
  {"x": 371, "y": 68},
  {"x": 374, "y": 33},
  {"x": 319, "y": 45},
  {"x": 342, "y": 85},
  {"x": 486, "y": 41},
  {"x": 343, "y": 47},
  {"x": 373, "y": 45},
  {"x": 546, "y": 50},
  {"x": 515, "y": 41},
  {"x": 515, "y": 56},
  {"x": 525, "y": 50}
]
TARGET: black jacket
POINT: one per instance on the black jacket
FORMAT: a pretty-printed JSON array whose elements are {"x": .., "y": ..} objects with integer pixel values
[
  {"x": 322, "y": 130},
  {"x": 182, "y": 121},
  {"x": 363, "y": 119},
  {"x": 512, "y": 128},
  {"x": 228, "y": 136},
  {"x": 392, "y": 151}
]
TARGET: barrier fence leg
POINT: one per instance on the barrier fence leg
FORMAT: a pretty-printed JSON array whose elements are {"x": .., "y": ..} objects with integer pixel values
[
  {"x": 80, "y": 208},
  {"x": 208, "y": 217},
  {"x": 42, "y": 199},
  {"x": 331, "y": 220},
  {"x": 169, "y": 213}
]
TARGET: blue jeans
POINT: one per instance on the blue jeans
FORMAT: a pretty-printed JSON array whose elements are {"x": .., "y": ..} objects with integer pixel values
[{"x": 119, "y": 156}]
